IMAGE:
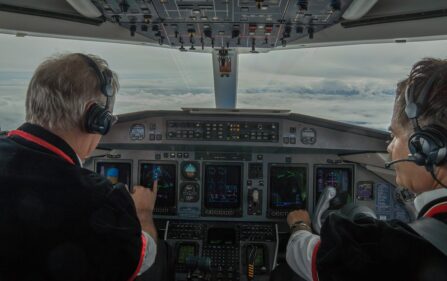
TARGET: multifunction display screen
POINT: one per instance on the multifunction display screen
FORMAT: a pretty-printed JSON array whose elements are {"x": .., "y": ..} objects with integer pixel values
[
  {"x": 339, "y": 178},
  {"x": 115, "y": 172},
  {"x": 288, "y": 187},
  {"x": 223, "y": 185},
  {"x": 167, "y": 182}
]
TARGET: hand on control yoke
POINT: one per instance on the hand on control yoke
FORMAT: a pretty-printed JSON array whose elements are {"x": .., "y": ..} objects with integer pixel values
[{"x": 298, "y": 215}]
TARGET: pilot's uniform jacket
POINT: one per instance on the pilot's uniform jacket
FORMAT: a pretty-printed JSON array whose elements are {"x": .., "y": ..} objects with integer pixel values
[
  {"x": 59, "y": 221},
  {"x": 369, "y": 249}
]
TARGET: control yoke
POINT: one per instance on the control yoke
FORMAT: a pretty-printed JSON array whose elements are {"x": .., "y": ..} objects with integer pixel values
[
  {"x": 323, "y": 205},
  {"x": 350, "y": 211}
]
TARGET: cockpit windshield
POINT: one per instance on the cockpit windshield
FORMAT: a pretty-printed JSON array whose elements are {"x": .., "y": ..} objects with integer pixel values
[{"x": 353, "y": 84}]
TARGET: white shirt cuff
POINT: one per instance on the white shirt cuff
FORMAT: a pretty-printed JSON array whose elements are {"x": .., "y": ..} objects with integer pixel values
[
  {"x": 299, "y": 252},
  {"x": 150, "y": 254}
]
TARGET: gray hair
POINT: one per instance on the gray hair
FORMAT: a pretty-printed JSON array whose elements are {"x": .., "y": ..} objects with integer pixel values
[{"x": 61, "y": 89}]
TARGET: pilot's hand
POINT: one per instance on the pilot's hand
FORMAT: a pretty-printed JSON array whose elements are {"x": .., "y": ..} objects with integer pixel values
[
  {"x": 144, "y": 198},
  {"x": 298, "y": 215}
]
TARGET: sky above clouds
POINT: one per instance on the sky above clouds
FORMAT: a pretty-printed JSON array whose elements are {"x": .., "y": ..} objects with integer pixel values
[{"x": 353, "y": 84}]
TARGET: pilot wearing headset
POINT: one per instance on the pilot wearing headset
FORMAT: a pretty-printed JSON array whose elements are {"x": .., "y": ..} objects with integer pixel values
[
  {"x": 369, "y": 249},
  {"x": 59, "y": 221}
]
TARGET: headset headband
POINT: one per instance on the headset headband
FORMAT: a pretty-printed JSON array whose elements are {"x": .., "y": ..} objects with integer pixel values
[
  {"x": 105, "y": 80},
  {"x": 105, "y": 77},
  {"x": 412, "y": 108}
]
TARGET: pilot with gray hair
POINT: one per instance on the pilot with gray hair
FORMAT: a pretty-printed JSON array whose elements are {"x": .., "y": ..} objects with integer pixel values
[
  {"x": 59, "y": 221},
  {"x": 370, "y": 249}
]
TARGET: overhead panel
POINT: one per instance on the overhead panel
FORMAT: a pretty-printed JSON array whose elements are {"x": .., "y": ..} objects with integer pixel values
[{"x": 198, "y": 25}]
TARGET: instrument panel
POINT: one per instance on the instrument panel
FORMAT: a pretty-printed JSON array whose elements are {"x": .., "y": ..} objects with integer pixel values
[
  {"x": 226, "y": 183},
  {"x": 248, "y": 166},
  {"x": 255, "y": 166},
  {"x": 267, "y": 189}
]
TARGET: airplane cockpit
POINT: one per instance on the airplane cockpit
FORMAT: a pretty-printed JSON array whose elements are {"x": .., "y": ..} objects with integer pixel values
[{"x": 227, "y": 177}]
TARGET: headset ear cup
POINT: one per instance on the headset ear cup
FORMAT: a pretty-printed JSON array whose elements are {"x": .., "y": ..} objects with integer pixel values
[
  {"x": 420, "y": 159},
  {"x": 428, "y": 146},
  {"x": 413, "y": 144},
  {"x": 440, "y": 157},
  {"x": 97, "y": 120},
  {"x": 439, "y": 137}
]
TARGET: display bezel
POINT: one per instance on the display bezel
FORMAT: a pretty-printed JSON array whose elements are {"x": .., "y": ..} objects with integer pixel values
[
  {"x": 168, "y": 210},
  {"x": 292, "y": 165},
  {"x": 215, "y": 206},
  {"x": 120, "y": 161},
  {"x": 331, "y": 166}
]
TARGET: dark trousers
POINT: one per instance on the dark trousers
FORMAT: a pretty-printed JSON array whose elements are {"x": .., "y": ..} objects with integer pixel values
[
  {"x": 283, "y": 272},
  {"x": 163, "y": 267}
]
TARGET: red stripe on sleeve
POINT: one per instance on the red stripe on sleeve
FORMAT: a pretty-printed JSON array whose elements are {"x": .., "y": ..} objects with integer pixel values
[
  {"x": 437, "y": 209},
  {"x": 314, "y": 262},
  {"x": 143, "y": 253}
]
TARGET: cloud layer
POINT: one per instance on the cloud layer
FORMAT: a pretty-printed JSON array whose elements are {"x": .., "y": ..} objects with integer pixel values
[
  {"x": 352, "y": 84},
  {"x": 342, "y": 102}
]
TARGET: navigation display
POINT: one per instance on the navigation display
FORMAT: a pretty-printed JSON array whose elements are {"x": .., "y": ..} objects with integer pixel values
[
  {"x": 338, "y": 177},
  {"x": 115, "y": 172},
  {"x": 223, "y": 185},
  {"x": 167, "y": 182},
  {"x": 288, "y": 187}
]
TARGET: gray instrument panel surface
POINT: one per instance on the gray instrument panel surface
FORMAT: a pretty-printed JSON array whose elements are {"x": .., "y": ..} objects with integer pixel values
[{"x": 332, "y": 138}]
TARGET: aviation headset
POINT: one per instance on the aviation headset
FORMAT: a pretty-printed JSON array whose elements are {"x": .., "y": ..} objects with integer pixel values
[
  {"x": 99, "y": 119},
  {"x": 428, "y": 144}
]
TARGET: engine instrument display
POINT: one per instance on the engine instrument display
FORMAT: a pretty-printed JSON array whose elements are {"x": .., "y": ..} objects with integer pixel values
[
  {"x": 339, "y": 177},
  {"x": 223, "y": 186},
  {"x": 167, "y": 182},
  {"x": 287, "y": 187},
  {"x": 116, "y": 172}
]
